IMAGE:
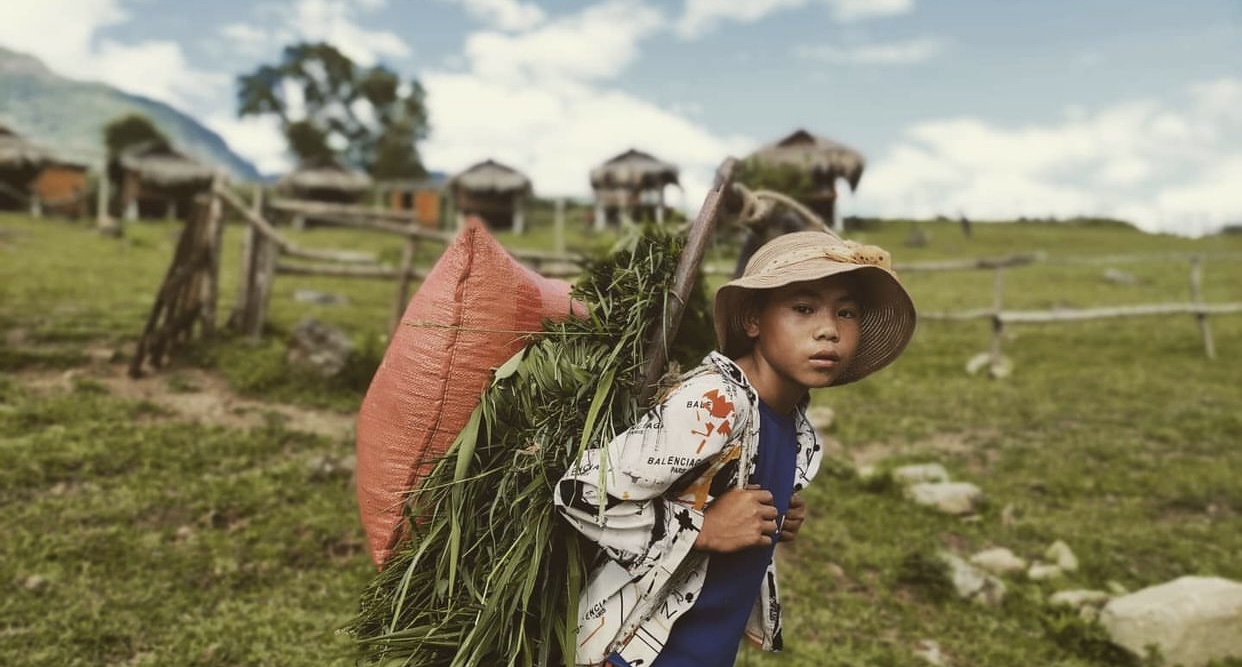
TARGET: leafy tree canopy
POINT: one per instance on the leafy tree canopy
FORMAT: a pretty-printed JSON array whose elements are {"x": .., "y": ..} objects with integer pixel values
[
  {"x": 131, "y": 130},
  {"x": 331, "y": 108}
]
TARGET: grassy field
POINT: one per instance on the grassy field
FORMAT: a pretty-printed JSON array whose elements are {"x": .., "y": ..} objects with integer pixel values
[{"x": 136, "y": 535}]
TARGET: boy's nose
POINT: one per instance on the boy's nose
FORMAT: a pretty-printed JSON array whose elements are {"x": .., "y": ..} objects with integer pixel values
[{"x": 827, "y": 329}]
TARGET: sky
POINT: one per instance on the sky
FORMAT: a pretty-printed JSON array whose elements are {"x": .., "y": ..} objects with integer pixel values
[{"x": 1129, "y": 109}]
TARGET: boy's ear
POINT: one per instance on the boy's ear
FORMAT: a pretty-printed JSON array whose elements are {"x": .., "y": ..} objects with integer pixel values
[{"x": 750, "y": 323}]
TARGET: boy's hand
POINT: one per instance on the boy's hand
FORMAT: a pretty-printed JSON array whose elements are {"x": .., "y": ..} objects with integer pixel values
[
  {"x": 793, "y": 518},
  {"x": 739, "y": 519}
]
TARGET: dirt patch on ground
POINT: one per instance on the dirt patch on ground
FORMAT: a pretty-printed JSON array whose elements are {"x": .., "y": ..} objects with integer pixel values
[
  {"x": 959, "y": 444},
  {"x": 192, "y": 394}
]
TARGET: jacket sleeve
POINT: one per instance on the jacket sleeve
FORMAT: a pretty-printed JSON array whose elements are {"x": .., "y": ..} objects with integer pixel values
[{"x": 622, "y": 495}]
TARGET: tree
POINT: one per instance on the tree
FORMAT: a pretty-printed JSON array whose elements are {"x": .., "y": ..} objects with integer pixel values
[
  {"x": 330, "y": 107},
  {"x": 131, "y": 130}
]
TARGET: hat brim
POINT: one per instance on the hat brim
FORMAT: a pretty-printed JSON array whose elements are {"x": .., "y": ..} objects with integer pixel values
[{"x": 886, "y": 322}]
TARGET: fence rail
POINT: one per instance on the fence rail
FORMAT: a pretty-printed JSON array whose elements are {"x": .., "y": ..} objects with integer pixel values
[{"x": 1001, "y": 317}]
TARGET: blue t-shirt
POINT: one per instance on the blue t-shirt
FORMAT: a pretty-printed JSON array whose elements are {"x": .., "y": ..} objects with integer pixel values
[{"x": 709, "y": 633}]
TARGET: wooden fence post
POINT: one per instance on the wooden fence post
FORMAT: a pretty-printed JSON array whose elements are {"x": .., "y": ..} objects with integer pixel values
[
  {"x": 403, "y": 285},
  {"x": 1196, "y": 298},
  {"x": 258, "y": 269},
  {"x": 213, "y": 237},
  {"x": 998, "y": 324}
]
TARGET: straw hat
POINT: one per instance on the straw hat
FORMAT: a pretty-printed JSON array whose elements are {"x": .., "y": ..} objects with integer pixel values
[{"x": 887, "y": 314}]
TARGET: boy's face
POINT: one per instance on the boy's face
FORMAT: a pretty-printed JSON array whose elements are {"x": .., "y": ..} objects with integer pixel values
[{"x": 806, "y": 333}]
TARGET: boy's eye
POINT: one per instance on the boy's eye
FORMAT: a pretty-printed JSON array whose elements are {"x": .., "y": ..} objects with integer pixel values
[
  {"x": 848, "y": 313},
  {"x": 803, "y": 308}
]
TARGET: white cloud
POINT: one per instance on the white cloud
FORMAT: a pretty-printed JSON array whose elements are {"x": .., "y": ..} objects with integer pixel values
[
  {"x": 257, "y": 138},
  {"x": 157, "y": 70},
  {"x": 1166, "y": 166},
  {"x": 247, "y": 39},
  {"x": 540, "y": 102},
  {"x": 556, "y": 135},
  {"x": 154, "y": 68},
  {"x": 893, "y": 53},
  {"x": 28, "y": 27},
  {"x": 702, "y": 16},
  {"x": 596, "y": 44},
  {"x": 504, "y": 14},
  {"x": 333, "y": 21}
]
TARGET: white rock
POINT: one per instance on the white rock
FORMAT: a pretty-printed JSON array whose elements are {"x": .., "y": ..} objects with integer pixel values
[
  {"x": 998, "y": 561},
  {"x": 923, "y": 472},
  {"x": 821, "y": 417},
  {"x": 1043, "y": 572},
  {"x": 971, "y": 582},
  {"x": 1078, "y": 598},
  {"x": 948, "y": 497},
  {"x": 929, "y": 651},
  {"x": 1191, "y": 620},
  {"x": 1060, "y": 553},
  {"x": 868, "y": 472}
]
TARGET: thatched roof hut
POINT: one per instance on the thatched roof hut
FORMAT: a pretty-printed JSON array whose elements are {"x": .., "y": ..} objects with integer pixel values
[
  {"x": 633, "y": 170},
  {"x": 20, "y": 162},
  {"x": 156, "y": 179},
  {"x": 824, "y": 158},
  {"x": 158, "y": 165},
  {"x": 490, "y": 177},
  {"x": 492, "y": 191},
  {"x": 631, "y": 185},
  {"x": 325, "y": 181},
  {"x": 18, "y": 152}
]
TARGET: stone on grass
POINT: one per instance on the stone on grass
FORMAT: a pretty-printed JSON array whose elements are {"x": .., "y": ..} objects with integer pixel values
[
  {"x": 821, "y": 417},
  {"x": 998, "y": 560},
  {"x": 923, "y": 472},
  {"x": 320, "y": 298},
  {"x": 1079, "y": 598},
  {"x": 1044, "y": 571},
  {"x": 947, "y": 497},
  {"x": 929, "y": 651},
  {"x": 972, "y": 583},
  {"x": 1190, "y": 620},
  {"x": 319, "y": 347},
  {"x": 1060, "y": 553}
]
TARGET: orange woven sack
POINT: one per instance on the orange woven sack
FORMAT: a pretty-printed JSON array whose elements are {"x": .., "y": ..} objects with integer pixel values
[{"x": 466, "y": 319}]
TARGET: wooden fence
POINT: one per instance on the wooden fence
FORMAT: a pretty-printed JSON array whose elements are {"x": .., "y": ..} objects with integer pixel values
[{"x": 994, "y": 360}]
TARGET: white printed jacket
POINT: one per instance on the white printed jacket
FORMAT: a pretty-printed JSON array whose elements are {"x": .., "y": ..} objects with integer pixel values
[{"x": 641, "y": 499}]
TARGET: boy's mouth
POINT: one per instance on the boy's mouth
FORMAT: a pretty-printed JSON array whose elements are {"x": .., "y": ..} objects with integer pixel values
[{"x": 825, "y": 358}]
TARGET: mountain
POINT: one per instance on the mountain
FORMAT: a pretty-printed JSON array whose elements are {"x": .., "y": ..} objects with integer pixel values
[{"x": 68, "y": 116}]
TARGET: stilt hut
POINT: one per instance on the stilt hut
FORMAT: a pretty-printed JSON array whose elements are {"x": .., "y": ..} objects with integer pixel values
[
  {"x": 422, "y": 196},
  {"x": 20, "y": 163},
  {"x": 156, "y": 180},
  {"x": 823, "y": 160},
  {"x": 494, "y": 192},
  {"x": 631, "y": 185},
  {"x": 326, "y": 181},
  {"x": 61, "y": 188}
]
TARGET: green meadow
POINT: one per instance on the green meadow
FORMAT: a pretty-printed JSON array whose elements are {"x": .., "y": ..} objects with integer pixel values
[{"x": 136, "y": 533}]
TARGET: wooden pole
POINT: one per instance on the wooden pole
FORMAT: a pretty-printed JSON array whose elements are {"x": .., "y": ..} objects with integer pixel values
[
  {"x": 1196, "y": 297},
  {"x": 403, "y": 285},
  {"x": 998, "y": 324},
  {"x": 213, "y": 236},
  {"x": 558, "y": 227},
  {"x": 266, "y": 252},
  {"x": 718, "y": 200}
]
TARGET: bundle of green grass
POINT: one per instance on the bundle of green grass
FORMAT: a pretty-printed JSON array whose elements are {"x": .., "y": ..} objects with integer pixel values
[{"x": 491, "y": 575}]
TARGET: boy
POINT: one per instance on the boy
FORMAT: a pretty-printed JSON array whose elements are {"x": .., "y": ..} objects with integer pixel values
[{"x": 687, "y": 505}]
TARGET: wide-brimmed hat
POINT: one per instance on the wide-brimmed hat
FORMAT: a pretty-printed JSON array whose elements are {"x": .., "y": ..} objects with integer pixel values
[{"x": 887, "y": 316}]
